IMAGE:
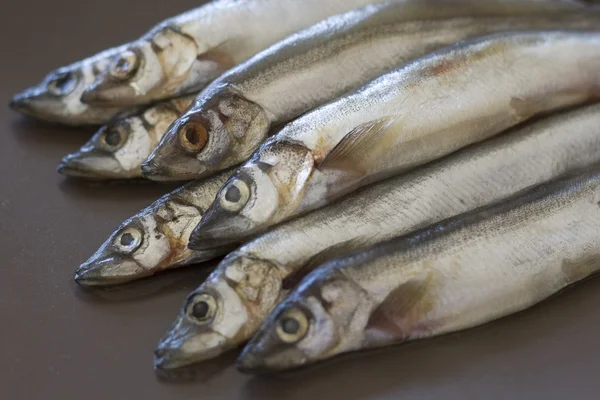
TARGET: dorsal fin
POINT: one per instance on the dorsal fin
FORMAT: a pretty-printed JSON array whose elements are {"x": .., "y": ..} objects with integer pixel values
[{"x": 358, "y": 147}]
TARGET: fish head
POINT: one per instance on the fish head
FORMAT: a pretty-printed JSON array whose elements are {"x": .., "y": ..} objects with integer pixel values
[
  {"x": 264, "y": 191},
  {"x": 57, "y": 97},
  {"x": 118, "y": 149},
  {"x": 153, "y": 240},
  {"x": 313, "y": 323},
  {"x": 154, "y": 67},
  {"x": 223, "y": 313},
  {"x": 216, "y": 133}
]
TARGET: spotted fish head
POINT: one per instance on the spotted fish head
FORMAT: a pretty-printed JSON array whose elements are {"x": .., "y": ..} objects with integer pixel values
[
  {"x": 162, "y": 64},
  {"x": 151, "y": 241},
  {"x": 221, "y": 314},
  {"x": 217, "y": 132},
  {"x": 310, "y": 325},
  {"x": 264, "y": 191}
]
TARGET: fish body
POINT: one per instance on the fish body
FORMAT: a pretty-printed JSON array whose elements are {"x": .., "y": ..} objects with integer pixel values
[
  {"x": 155, "y": 239},
  {"x": 415, "y": 114},
  {"x": 249, "y": 283},
  {"x": 118, "y": 149},
  {"x": 58, "y": 97},
  {"x": 234, "y": 115},
  {"x": 458, "y": 274},
  {"x": 183, "y": 54}
]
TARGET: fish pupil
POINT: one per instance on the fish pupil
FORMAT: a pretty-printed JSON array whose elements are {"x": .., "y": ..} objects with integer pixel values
[
  {"x": 122, "y": 64},
  {"x": 200, "y": 310},
  {"x": 127, "y": 239},
  {"x": 233, "y": 194},
  {"x": 290, "y": 326},
  {"x": 192, "y": 136},
  {"x": 112, "y": 138},
  {"x": 62, "y": 81}
]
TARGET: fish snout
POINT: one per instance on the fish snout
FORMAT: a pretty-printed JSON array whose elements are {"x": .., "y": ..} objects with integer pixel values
[
  {"x": 109, "y": 272},
  {"x": 249, "y": 363},
  {"x": 89, "y": 165},
  {"x": 153, "y": 170}
]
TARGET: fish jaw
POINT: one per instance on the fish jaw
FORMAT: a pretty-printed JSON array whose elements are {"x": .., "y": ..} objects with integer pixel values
[{"x": 109, "y": 272}]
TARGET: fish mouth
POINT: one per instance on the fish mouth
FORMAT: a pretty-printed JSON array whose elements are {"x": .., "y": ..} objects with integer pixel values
[
  {"x": 109, "y": 272},
  {"x": 171, "y": 354},
  {"x": 90, "y": 166},
  {"x": 37, "y": 103},
  {"x": 249, "y": 363},
  {"x": 204, "y": 240},
  {"x": 106, "y": 92},
  {"x": 160, "y": 172}
]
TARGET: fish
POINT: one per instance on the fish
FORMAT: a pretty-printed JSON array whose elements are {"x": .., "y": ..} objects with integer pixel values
[
  {"x": 118, "y": 149},
  {"x": 415, "y": 114},
  {"x": 155, "y": 239},
  {"x": 236, "y": 113},
  {"x": 230, "y": 306},
  {"x": 57, "y": 98},
  {"x": 455, "y": 275},
  {"x": 181, "y": 55}
]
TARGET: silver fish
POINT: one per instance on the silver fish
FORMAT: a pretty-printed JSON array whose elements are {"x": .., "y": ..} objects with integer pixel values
[
  {"x": 155, "y": 239},
  {"x": 233, "y": 116},
  {"x": 415, "y": 114},
  {"x": 118, "y": 149},
  {"x": 458, "y": 274},
  {"x": 58, "y": 97},
  {"x": 183, "y": 54},
  {"x": 229, "y": 308}
]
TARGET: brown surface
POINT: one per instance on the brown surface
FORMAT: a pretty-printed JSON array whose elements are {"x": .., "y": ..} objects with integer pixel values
[{"x": 58, "y": 342}]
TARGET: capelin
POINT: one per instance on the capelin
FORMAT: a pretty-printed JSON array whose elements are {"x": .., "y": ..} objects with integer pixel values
[
  {"x": 263, "y": 190},
  {"x": 156, "y": 67},
  {"x": 221, "y": 314},
  {"x": 317, "y": 320},
  {"x": 218, "y": 132},
  {"x": 57, "y": 98}
]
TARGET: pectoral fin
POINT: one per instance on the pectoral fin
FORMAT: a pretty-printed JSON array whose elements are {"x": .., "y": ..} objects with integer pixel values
[
  {"x": 402, "y": 308},
  {"x": 360, "y": 147}
]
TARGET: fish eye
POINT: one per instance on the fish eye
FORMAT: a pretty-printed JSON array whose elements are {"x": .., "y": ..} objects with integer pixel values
[
  {"x": 125, "y": 66},
  {"x": 63, "y": 84},
  {"x": 128, "y": 240},
  {"x": 202, "y": 308},
  {"x": 113, "y": 137},
  {"x": 193, "y": 137},
  {"x": 234, "y": 195},
  {"x": 292, "y": 325}
]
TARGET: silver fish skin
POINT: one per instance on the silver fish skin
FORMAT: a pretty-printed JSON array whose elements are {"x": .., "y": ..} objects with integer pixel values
[
  {"x": 183, "y": 54},
  {"x": 155, "y": 239},
  {"x": 117, "y": 150},
  {"x": 250, "y": 282},
  {"x": 58, "y": 97},
  {"x": 458, "y": 274},
  {"x": 322, "y": 63},
  {"x": 417, "y": 113}
]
